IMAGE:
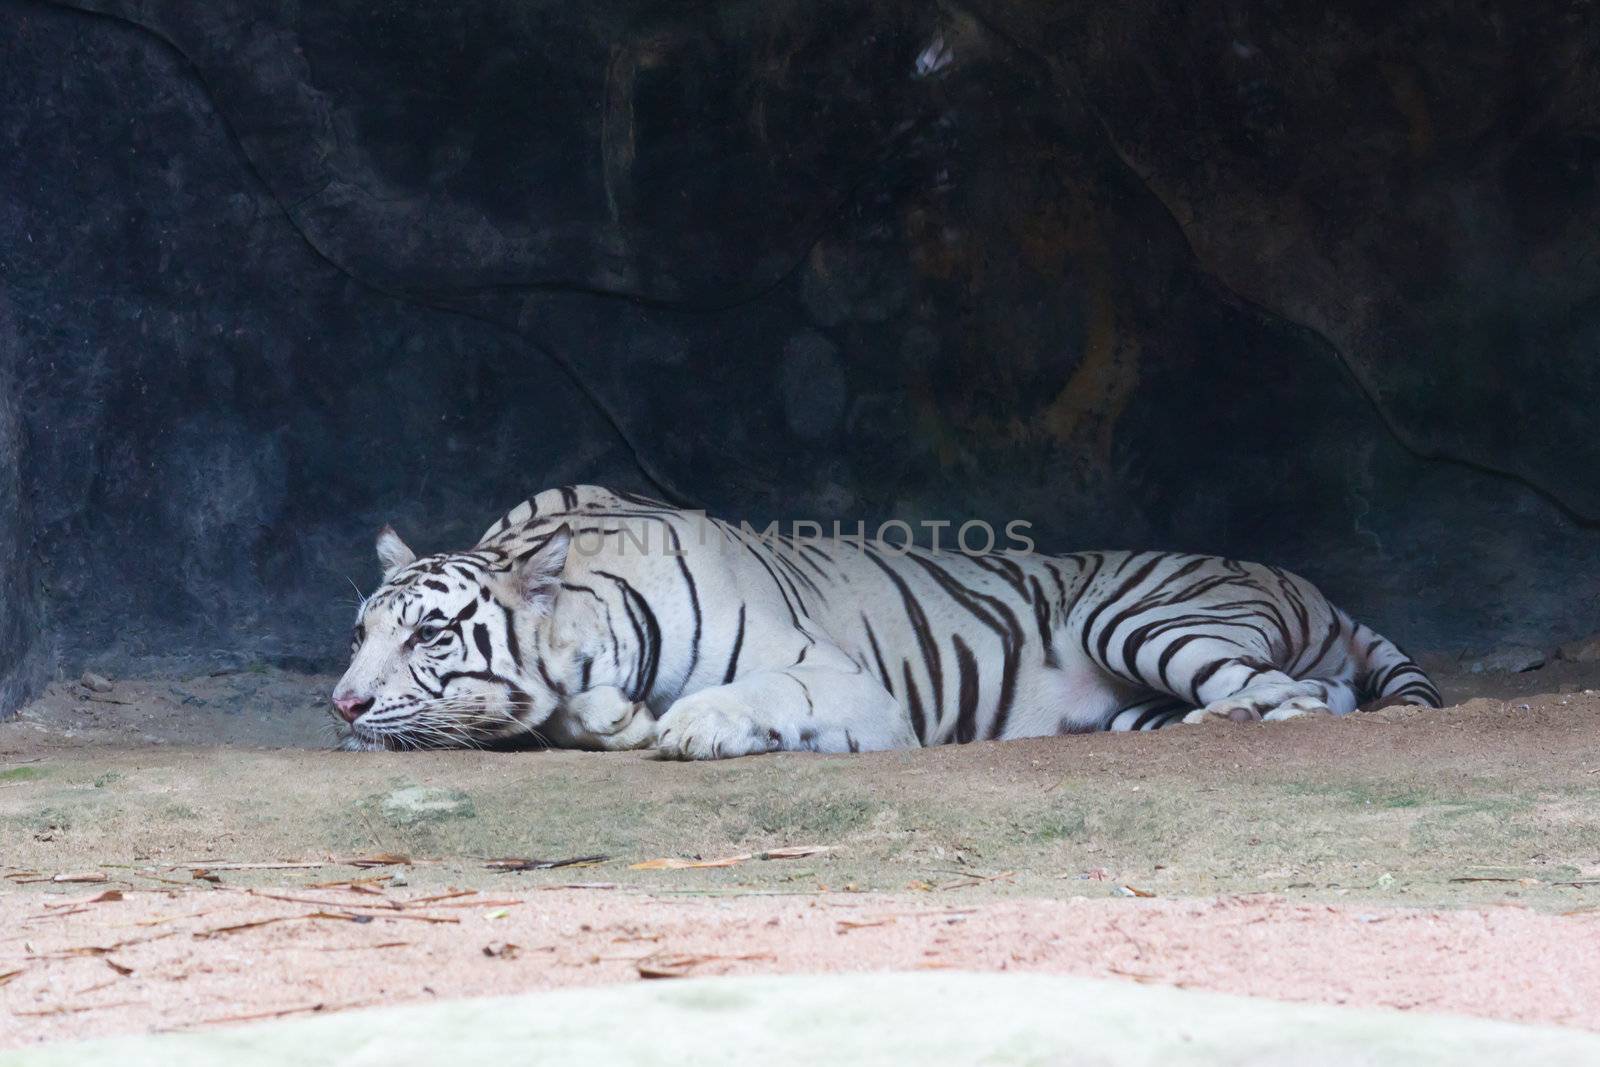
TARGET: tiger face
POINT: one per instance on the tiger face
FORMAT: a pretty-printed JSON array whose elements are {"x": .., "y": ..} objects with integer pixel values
[{"x": 438, "y": 652}]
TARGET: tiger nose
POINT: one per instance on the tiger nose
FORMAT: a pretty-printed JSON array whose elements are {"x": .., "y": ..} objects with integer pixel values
[{"x": 350, "y": 706}]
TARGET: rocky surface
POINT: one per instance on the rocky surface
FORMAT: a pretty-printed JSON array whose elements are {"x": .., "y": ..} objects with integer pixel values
[
  {"x": 1310, "y": 287},
  {"x": 1513, "y": 659}
]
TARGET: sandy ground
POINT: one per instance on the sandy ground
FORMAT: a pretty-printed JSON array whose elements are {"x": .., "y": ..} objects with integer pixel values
[
  {"x": 1411, "y": 859},
  {"x": 182, "y": 960}
]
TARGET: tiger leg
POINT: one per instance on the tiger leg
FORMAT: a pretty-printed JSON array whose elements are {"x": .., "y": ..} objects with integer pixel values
[
  {"x": 1223, "y": 678},
  {"x": 816, "y": 707},
  {"x": 1244, "y": 688},
  {"x": 1150, "y": 713},
  {"x": 602, "y": 719}
]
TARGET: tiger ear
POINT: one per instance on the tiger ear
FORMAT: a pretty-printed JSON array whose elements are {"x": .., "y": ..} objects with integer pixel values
[
  {"x": 393, "y": 553},
  {"x": 536, "y": 573}
]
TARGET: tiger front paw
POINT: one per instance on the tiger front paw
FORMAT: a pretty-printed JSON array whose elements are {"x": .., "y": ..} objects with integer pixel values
[
  {"x": 606, "y": 718},
  {"x": 712, "y": 726}
]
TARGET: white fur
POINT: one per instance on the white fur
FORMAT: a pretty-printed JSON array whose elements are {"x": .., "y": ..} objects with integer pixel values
[{"x": 620, "y": 623}]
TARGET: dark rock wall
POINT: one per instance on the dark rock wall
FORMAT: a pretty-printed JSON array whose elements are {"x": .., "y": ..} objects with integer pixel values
[
  {"x": 1318, "y": 288},
  {"x": 215, "y": 418},
  {"x": 22, "y": 652}
]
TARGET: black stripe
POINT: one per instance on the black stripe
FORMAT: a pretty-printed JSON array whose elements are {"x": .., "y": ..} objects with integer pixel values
[
  {"x": 1172, "y": 649},
  {"x": 555, "y": 687},
  {"x": 782, "y": 591},
  {"x": 422, "y": 685},
  {"x": 811, "y": 707},
  {"x": 513, "y": 646},
  {"x": 1061, "y": 587},
  {"x": 738, "y": 643},
  {"x": 808, "y": 561},
  {"x": 1003, "y": 622},
  {"x": 919, "y": 722},
  {"x": 1203, "y": 675},
  {"x": 1041, "y": 618},
  {"x": 648, "y": 631},
  {"x": 640, "y": 500},
  {"x": 967, "y": 667},
  {"x": 1088, "y": 624},
  {"x": 877, "y": 655},
  {"x": 1004, "y": 568},
  {"x": 801, "y": 576},
  {"x": 482, "y": 676},
  {"x": 694, "y": 604},
  {"x": 1322, "y": 650},
  {"x": 919, "y": 624}
]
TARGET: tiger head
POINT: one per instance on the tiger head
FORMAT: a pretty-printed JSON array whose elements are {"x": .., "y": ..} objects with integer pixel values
[{"x": 454, "y": 649}]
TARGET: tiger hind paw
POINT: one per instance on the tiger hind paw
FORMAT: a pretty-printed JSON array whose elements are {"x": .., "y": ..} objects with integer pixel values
[{"x": 1245, "y": 709}]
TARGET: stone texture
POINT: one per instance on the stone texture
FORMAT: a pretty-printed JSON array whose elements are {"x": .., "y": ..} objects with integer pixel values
[
  {"x": 23, "y": 659},
  {"x": 1314, "y": 287},
  {"x": 416, "y": 804},
  {"x": 938, "y": 1020},
  {"x": 96, "y": 683},
  {"x": 1505, "y": 659},
  {"x": 1585, "y": 650}
]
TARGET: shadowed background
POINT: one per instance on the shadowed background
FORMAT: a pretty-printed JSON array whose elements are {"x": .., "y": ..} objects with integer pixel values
[{"x": 1319, "y": 288}]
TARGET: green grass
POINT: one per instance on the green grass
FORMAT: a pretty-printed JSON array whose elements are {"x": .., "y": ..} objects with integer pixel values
[
  {"x": 1056, "y": 824},
  {"x": 1386, "y": 796}
]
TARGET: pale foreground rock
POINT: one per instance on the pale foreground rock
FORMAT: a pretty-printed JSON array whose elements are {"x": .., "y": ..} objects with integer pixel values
[{"x": 927, "y": 1019}]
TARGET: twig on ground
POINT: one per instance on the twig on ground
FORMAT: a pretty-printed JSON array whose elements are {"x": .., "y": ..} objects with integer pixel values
[
  {"x": 381, "y": 859},
  {"x": 286, "y": 865},
  {"x": 657, "y": 965},
  {"x": 971, "y": 880},
  {"x": 452, "y": 895},
  {"x": 391, "y": 905},
  {"x": 579, "y": 885},
  {"x": 788, "y": 852},
  {"x": 73, "y": 876},
  {"x": 518, "y": 863},
  {"x": 190, "y": 884},
  {"x": 280, "y": 1013},
  {"x": 99, "y": 950},
  {"x": 357, "y": 884},
  {"x": 232, "y": 928},
  {"x": 75, "y": 1009}
]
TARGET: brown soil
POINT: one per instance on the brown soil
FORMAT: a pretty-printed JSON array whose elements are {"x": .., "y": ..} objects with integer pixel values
[
  {"x": 179, "y": 960},
  {"x": 1426, "y": 860}
]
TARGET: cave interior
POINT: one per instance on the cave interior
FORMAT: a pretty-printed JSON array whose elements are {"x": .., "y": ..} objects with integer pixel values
[{"x": 1314, "y": 287}]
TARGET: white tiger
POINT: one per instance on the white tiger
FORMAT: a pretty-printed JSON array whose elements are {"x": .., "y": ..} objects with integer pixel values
[{"x": 600, "y": 619}]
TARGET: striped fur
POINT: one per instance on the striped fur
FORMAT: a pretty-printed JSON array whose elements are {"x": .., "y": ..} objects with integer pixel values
[{"x": 572, "y": 619}]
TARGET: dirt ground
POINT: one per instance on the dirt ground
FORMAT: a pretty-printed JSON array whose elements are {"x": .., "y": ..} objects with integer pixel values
[{"x": 178, "y": 852}]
